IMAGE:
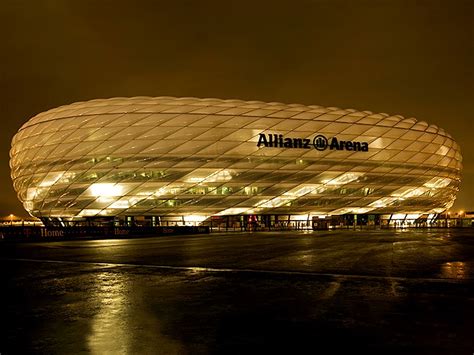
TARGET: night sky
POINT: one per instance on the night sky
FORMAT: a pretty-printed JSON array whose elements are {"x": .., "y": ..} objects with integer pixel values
[{"x": 413, "y": 58}]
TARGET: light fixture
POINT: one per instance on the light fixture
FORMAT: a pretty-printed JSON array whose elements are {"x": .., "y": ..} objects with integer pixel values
[{"x": 106, "y": 190}]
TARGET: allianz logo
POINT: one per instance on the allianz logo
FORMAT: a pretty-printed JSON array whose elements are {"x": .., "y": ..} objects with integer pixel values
[{"x": 319, "y": 142}]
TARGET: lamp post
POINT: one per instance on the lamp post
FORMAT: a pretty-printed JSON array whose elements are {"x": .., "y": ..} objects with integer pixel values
[
  {"x": 11, "y": 219},
  {"x": 446, "y": 218}
]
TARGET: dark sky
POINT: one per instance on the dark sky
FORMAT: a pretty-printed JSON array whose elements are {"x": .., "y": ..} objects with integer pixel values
[{"x": 413, "y": 58}]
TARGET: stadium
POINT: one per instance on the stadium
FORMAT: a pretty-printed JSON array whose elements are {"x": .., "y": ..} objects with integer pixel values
[{"x": 151, "y": 161}]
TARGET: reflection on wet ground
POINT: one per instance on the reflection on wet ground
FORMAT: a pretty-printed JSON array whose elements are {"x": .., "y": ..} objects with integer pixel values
[
  {"x": 454, "y": 270},
  {"x": 118, "y": 320},
  {"x": 391, "y": 292}
]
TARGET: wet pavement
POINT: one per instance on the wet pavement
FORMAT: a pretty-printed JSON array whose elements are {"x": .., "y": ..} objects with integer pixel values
[{"x": 319, "y": 292}]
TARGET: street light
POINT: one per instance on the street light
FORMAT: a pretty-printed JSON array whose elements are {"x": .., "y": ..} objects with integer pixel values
[
  {"x": 446, "y": 215},
  {"x": 11, "y": 219}
]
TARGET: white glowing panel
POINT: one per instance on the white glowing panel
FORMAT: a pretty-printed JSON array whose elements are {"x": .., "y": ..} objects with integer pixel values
[
  {"x": 105, "y": 190},
  {"x": 233, "y": 211}
]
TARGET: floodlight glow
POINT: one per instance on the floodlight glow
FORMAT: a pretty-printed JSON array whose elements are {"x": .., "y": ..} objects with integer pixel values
[
  {"x": 275, "y": 202},
  {"x": 195, "y": 218},
  {"x": 106, "y": 190},
  {"x": 51, "y": 179},
  {"x": 300, "y": 217},
  {"x": 234, "y": 211},
  {"x": 438, "y": 183},
  {"x": 32, "y": 193},
  {"x": 120, "y": 204},
  {"x": 399, "y": 216},
  {"x": 302, "y": 190},
  {"x": 218, "y": 176},
  {"x": 343, "y": 179},
  {"x": 87, "y": 212},
  {"x": 383, "y": 202},
  {"x": 409, "y": 192},
  {"x": 352, "y": 210}
]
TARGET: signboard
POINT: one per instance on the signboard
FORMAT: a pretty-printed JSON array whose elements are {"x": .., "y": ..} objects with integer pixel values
[{"x": 319, "y": 142}]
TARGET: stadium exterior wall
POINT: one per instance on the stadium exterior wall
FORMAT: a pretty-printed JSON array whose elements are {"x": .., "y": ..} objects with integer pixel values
[{"x": 169, "y": 156}]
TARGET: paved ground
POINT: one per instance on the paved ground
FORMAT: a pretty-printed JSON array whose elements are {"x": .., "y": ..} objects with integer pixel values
[{"x": 391, "y": 292}]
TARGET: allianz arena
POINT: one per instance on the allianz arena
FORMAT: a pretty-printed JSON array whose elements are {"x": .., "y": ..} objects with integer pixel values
[{"x": 185, "y": 158}]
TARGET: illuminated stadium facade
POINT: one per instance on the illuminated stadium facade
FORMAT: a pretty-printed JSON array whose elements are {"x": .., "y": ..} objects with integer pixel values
[{"x": 165, "y": 158}]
